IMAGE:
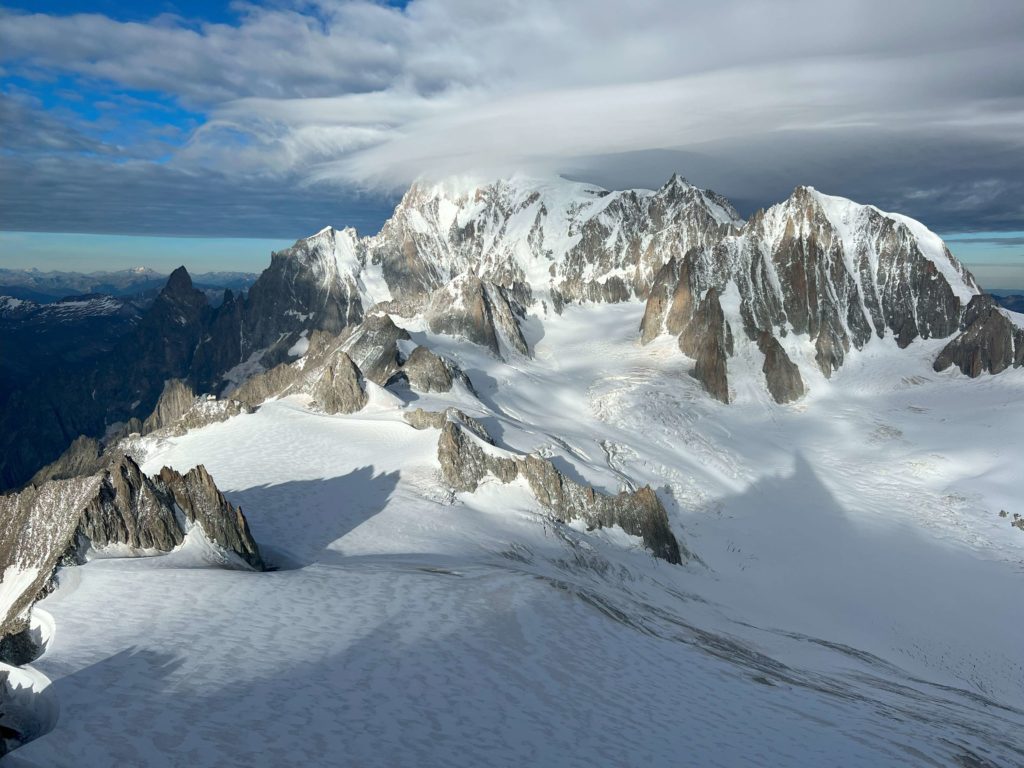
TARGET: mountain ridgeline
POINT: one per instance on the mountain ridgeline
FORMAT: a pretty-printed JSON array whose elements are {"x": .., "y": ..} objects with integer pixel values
[{"x": 795, "y": 289}]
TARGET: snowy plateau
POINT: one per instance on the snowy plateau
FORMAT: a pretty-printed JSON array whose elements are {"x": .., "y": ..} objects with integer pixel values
[{"x": 850, "y": 581}]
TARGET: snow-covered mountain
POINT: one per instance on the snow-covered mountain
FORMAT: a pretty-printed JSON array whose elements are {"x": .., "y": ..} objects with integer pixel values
[
  {"x": 806, "y": 280},
  {"x": 492, "y": 516}
]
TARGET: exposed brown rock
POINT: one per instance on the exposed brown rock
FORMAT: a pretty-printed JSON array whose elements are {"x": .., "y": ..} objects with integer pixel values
[
  {"x": 781, "y": 374},
  {"x": 428, "y": 372},
  {"x": 175, "y": 399},
  {"x": 204, "y": 505},
  {"x": 421, "y": 419},
  {"x": 988, "y": 342},
  {"x": 708, "y": 339},
  {"x": 256, "y": 390},
  {"x": 339, "y": 387},
  {"x": 658, "y": 300}
]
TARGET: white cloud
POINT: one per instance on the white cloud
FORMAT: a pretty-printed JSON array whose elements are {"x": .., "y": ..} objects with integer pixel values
[{"x": 367, "y": 95}]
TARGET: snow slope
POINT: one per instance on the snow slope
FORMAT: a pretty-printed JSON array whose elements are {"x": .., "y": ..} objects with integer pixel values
[{"x": 850, "y": 599}]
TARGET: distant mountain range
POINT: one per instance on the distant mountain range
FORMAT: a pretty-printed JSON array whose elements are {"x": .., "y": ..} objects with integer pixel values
[
  {"x": 1011, "y": 300},
  {"x": 44, "y": 287}
]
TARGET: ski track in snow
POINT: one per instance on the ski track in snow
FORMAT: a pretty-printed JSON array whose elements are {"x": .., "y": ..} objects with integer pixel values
[{"x": 851, "y": 600}]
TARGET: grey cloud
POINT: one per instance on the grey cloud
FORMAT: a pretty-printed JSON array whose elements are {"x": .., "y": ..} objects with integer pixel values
[
  {"x": 915, "y": 106},
  {"x": 75, "y": 194},
  {"x": 27, "y": 128}
]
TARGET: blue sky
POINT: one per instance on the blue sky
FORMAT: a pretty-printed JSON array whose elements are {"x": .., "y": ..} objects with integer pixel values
[{"x": 198, "y": 122}]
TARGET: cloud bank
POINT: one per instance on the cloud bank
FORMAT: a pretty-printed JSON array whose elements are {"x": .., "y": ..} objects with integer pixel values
[{"x": 915, "y": 106}]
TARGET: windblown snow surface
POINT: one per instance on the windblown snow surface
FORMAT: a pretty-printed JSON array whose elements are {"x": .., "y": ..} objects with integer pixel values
[{"x": 853, "y": 598}]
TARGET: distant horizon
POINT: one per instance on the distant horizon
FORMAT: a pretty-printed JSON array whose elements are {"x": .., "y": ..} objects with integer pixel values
[{"x": 996, "y": 259}]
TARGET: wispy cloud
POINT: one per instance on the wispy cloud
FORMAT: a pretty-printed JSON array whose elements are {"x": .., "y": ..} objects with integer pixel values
[{"x": 913, "y": 105}]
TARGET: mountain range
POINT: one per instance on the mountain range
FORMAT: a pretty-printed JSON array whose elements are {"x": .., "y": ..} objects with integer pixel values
[
  {"x": 44, "y": 287},
  {"x": 535, "y": 430},
  {"x": 808, "y": 279}
]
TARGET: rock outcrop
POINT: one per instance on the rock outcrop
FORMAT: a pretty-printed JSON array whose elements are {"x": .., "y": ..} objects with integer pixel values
[
  {"x": 418, "y": 418},
  {"x": 83, "y": 457},
  {"x": 988, "y": 342},
  {"x": 175, "y": 399},
  {"x": 117, "y": 510},
  {"x": 327, "y": 374},
  {"x": 781, "y": 374},
  {"x": 339, "y": 386},
  {"x": 466, "y": 460},
  {"x": 707, "y": 338},
  {"x": 426, "y": 371},
  {"x": 257, "y": 389},
  {"x": 198, "y": 497},
  {"x": 373, "y": 345},
  {"x": 478, "y": 311},
  {"x": 131, "y": 511}
]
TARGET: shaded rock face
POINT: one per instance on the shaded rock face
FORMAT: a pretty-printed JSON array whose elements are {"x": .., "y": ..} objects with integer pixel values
[
  {"x": 708, "y": 339},
  {"x": 83, "y": 457},
  {"x": 175, "y": 399},
  {"x": 221, "y": 347},
  {"x": 466, "y": 460},
  {"x": 129, "y": 509},
  {"x": 313, "y": 285},
  {"x": 989, "y": 342},
  {"x": 781, "y": 374},
  {"x": 478, "y": 311},
  {"x": 303, "y": 288},
  {"x": 42, "y": 418}
]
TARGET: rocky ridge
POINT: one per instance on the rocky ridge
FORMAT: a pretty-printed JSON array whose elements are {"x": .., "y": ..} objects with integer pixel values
[
  {"x": 467, "y": 456},
  {"x": 116, "y": 510}
]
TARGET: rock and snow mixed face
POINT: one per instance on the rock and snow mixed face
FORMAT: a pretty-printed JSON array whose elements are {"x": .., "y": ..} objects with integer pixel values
[
  {"x": 541, "y": 242},
  {"x": 820, "y": 269},
  {"x": 827, "y": 271}
]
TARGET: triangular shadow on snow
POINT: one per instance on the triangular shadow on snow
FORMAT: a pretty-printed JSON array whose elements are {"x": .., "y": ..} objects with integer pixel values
[{"x": 293, "y": 536}]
